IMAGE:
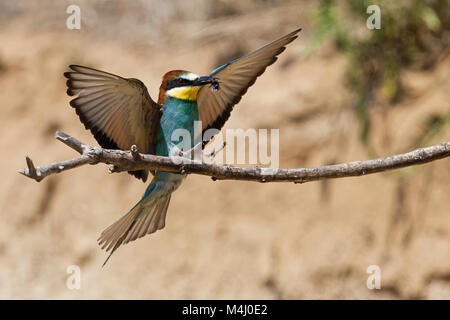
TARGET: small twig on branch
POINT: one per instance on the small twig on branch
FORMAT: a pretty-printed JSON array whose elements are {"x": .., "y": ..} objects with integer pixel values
[
  {"x": 131, "y": 160},
  {"x": 134, "y": 152}
]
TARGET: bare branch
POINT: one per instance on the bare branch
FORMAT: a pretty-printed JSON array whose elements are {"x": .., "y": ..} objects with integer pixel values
[{"x": 132, "y": 160}]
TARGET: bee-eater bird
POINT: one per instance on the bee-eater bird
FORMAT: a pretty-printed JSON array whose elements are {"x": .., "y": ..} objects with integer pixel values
[{"x": 120, "y": 113}]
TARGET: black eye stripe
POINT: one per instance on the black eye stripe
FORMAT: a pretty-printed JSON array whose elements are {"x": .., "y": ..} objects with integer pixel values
[{"x": 179, "y": 82}]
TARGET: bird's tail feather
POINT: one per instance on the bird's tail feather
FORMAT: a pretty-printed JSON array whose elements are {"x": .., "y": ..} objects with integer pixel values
[{"x": 147, "y": 216}]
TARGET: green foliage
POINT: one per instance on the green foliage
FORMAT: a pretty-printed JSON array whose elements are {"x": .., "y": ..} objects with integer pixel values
[
  {"x": 410, "y": 36},
  {"x": 327, "y": 26},
  {"x": 435, "y": 125}
]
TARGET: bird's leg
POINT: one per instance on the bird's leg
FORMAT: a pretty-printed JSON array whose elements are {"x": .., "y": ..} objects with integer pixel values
[
  {"x": 174, "y": 150},
  {"x": 211, "y": 155}
]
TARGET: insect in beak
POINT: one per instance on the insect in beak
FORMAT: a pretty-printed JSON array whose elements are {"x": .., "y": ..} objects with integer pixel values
[{"x": 213, "y": 81}]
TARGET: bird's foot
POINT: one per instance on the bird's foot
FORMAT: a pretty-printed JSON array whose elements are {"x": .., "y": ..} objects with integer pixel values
[
  {"x": 175, "y": 151},
  {"x": 211, "y": 155}
]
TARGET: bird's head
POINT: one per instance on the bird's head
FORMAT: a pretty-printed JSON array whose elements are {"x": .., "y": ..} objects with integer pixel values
[{"x": 183, "y": 85}]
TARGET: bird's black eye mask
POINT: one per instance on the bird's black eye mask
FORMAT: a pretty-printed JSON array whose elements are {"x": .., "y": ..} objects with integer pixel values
[
  {"x": 200, "y": 81},
  {"x": 179, "y": 82}
]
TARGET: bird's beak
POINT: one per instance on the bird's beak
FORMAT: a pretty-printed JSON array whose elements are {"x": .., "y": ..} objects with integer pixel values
[{"x": 201, "y": 81}]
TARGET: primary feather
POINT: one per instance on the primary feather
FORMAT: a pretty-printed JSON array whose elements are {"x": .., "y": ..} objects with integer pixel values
[
  {"x": 119, "y": 112},
  {"x": 236, "y": 77}
]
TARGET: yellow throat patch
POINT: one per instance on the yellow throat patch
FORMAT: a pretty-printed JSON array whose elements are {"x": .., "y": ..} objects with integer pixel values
[{"x": 184, "y": 93}]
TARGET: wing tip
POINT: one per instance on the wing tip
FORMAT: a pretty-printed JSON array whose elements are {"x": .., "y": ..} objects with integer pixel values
[
  {"x": 295, "y": 32},
  {"x": 74, "y": 67}
]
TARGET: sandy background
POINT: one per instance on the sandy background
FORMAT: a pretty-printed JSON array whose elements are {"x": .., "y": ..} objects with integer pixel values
[{"x": 223, "y": 240}]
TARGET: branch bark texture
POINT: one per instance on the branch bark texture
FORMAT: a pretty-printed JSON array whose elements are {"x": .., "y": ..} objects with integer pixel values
[{"x": 132, "y": 160}]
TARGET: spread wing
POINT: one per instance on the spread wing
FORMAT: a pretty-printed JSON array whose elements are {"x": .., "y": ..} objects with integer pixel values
[
  {"x": 235, "y": 78},
  {"x": 118, "y": 111}
]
